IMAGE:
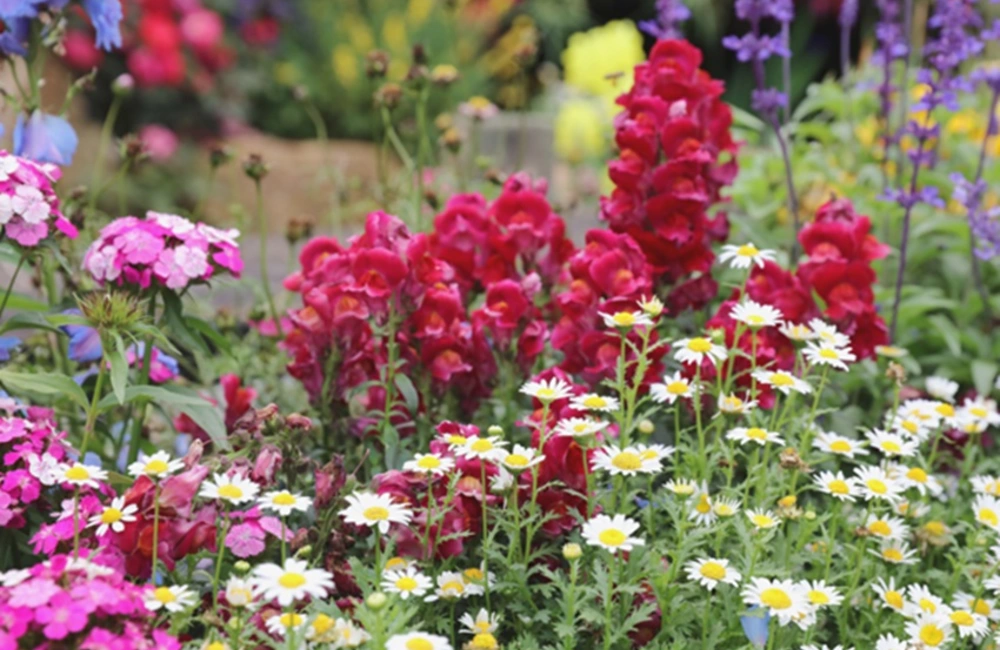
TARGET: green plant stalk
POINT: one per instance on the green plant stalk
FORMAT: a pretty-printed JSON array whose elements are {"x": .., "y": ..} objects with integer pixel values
[
  {"x": 88, "y": 427},
  {"x": 569, "y": 642},
  {"x": 218, "y": 560},
  {"x": 264, "y": 277},
  {"x": 486, "y": 537},
  {"x": 107, "y": 130},
  {"x": 156, "y": 530},
  {"x": 147, "y": 360},
  {"x": 13, "y": 279},
  {"x": 609, "y": 601},
  {"x": 534, "y": 485}
]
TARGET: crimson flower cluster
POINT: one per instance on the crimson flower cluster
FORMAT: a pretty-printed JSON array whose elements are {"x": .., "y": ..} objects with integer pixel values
[{"x": 676, "y": 156}]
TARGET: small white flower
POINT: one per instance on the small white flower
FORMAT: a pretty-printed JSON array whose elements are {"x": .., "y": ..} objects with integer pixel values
[
  {"x": 489, "y": 448},
  {"x": 433, "y": 464},
  {"x": 920, "y": 600},
  {"x": 290, "y": 582},
  {"x": 891, "y": 596},
  {"x": 451, "y": 586},
  {"x": 682, "y": 487},
  {"x": 837, "y": 485},
  {"x": 763, "y": 519},
  {"x": 673, "y": 387},
  {"x": 483, "y": 623},
  {"x": 628, "y": 461},
  {"x": 782, "y": 381},
  {"x": 709, "y": 572},
  {"x": 725, "y": 507},
  {"x": 82, "y": 475},
  {"x": 626, "y": 320},
  {"x": 756, "y": 315},
  {"x": 826, "y": 354},
  {"x": 375, "y": 510},
  {"x": 280, "y": 624},
  {"x": 797, "y": 332},
  {"x": 925, "y": 483},
  {"x": 418, "y": 640},
  {"x": 172, "y": 599},
  {"x": 547, "y": 390},
  {"x": 895, "y": 552},
  {"x": 239, "y": 592},
  {"x": 284, "y": 502},
  {"x": 594, "y": 402},
  {"x": 521, "y": 458},
  {"x": 876, "y": 483},
  {"x": 929, "y": 631},
  {"x": 735, "y": 405},
  {"x": 745, "y": 435},
  {"x": 890, "y": 351},
  {"x": 156, "y": 466},
  {"x": 820, "y": 594},
  {"x": 784, "y": 599},
  {"x": 113, "y": 517},
  {"x": 579, "y": 427},
  {"x": 611, "y": 533},
  {"x": 235, "y": 489},
  {"x": 941, "y": 388},
  {"x": 890, "y": 528},
  {"x": 652, "y": 306},
  {"x": 696, "y": 350},
  {"x": 891, "y": 444},
  {"x": 741, "y": 257},
  {"x": 407, "y": 582},
  {"x": 832, "y": 443},
  {"x": 703, "y": 512},
  {"x": 828, "y": 333},
  {"x": 986, "y": 509}
]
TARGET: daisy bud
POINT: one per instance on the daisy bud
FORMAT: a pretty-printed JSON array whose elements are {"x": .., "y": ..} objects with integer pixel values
[
  {"x": 646, "y": 427},
  {"x": 787, "y": 502},
  {"x": 572, "y": 551},
  {"x": 123, "y": 84},
  {"x": 810, "y": 515},
  {"x": 896, "y": 373},
  {"x": 789, "y": 459},
  {"x": 376, "y": 601},
  {"x": 495, "y": 430},
  {"x": 242, "y": 566},
  {"x": 219, "y": 156},
  {"x": 376, "y": 64},
  {"x": 305, "y": 551}
]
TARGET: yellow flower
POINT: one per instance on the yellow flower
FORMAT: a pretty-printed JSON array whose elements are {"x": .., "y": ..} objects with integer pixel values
[
  {"x": 600, "y": 61},
  {"x": 579, "y": 131},
  {"x": 345, "y": 65},
  {"x": 417, "y": 11},
  {"x": 358, "y": 32},
  {"x": 394, "y": 34}
]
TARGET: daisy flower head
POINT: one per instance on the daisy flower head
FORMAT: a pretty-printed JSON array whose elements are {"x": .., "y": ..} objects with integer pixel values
[
  {"x": 703, "y": 512},
  {"x": 681, "y": 487},
  {"x": 910, "y": 427},
  {"x": 235, "y": 489},
  {"x": 895, "y": 552},
  {"x": 981, "y": 409},
  {"x": 113, "y": 517},
  {"x": 979, "y": 606},
  {"x": 782, "y": 381},
  {"x": 891, "y": 596},
  {"x": 826, "y": 354},
  {"x": 891, "y": 444},
  {"x": 156, "y": 466},
  {"x": 885, "y": 527},
  {"x": 81, "y": 475},
  {"x": 875, "y": 483},
  {"x": 968, "y": 424},
  {"x": 483, "y": 622},
  {"x": 929, "y": 630},
  {"x": 594, "y": 402},
  {"x": 698, "y": 349},
  {"x": 941, "y": 388},
  {"x": 280, "y": 624},
  {"x": 828, "y": 333},
  {"x": 375, "y": 510},
  {"x": 745, "y": 436},
  {"x": 417, "y": 641},
  {"x": 476, "y": 578},
  {"x": 986, "y": 485},
  {"x": 742, "y": 257},
  {"x": 735, "y": 405},
  {"x": 290, "y": 582},
  {"x": 820, "y": 594},
  {"x": 284, "y": 502},
  {"x": 923, "y": 410},
  {"x": 969, "y": 624},
  {"x": 611, "y": 533},
  {"x": 837, "y": 485},
  {"x": 890, "y": 351},
  {"x": 890, "y": 642},
  {"x": 547, "y": 391},
  {"x": 175, "y": 598},
  {"x": 673, "y": 387},
  {"x": 755, "y": 315},
  {"x": 522, "y": 458},
  {"x": 724, "y": 507},
  {"x": 763, "y": 519},
  {"x": 626, "y": 320},
  {"x": 450, "y": 586},
  {"x": 239, "y": 592},
  {"x": 986, "y": 509},
  {"x": 488, "y": 448},
  {"x": 833, "y": 443},
  {"x": 579, "y": 427},
  {"x": 652, "y": 306},
  {"x": 406, "y": 582},
  {"x": 709, "y": 572},
  {"x": 628, "y": 461},
  {"x": 501, "y": 481},
  {"x": 786, "y": 600},
  {"x": 455, "y": 440},
  {"x": 656, "y": 452},
  {"x": 797, "y": 332},
  {"x": 918, "y": 478},
  {"x": 944, "y": 410},
  {"x": 433, "y": 464},
  {"x": 345, "y": 633}
]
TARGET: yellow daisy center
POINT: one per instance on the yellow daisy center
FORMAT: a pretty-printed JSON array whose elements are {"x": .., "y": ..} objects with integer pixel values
[
  {"x": 880, "y": 528},
  {"x": 747, "y": 250},
  {"x": 418, "y": 643},
  {"x": 782, "y": 379},
  {"x": 840, "y": 447},
  {"x": 164, "y": 595},
  {"x": 595, "y": 402},
  {"x": 156, "y": 466},
  {"x": 474, "y": 575},
  {"x": 283, "y": 499},
  {"x": 406, "y": 583},
  {"x": 230, "y": 491},
  {"x": 989, "y": 517},
  {"x": 910, "y": 427},
  {"x": 376, "y": 513},
  {"x": 77, "y": 473},
  {"x": 829, "y": 353},
  {"x": 612, "y": 537},
  {"x": 945, "y": 410},
  {"x": 892, "y": 555},
  {"x": 877, "y": 486},
  {"x": 453, "y": 585},
  {"x": 895, "y": 599},
  {"x": 624, "y": 319},
  {"x": 699, "y": 345},
  {"x": 891, "y": 446},
  {"x": 429, "y": 462},
  {"x": 732, "y": 403},
  {"x": 917, "y": 474},
  {"x": 677, "y": 388},
  {"x": 931, "y": 634},
  {"x": 627, "y": 461},
  {"x": 836, "y": 486},
  {"x": 545, "y": 393},
  {"x": 817, "y": 597},
  {"x": 756, "y": 433},
  {"x": 978, "y": 411},
  {"x": 455, "y": 439},
  {"x": 704, "y": 506},
  {"x": 936, "y": 528},
  {"x": 322, "y": 624},
  {"x": 484, "y": 641},
  {"x": 481, "y": 446},
  {"x": 962, "y": 618},
  {"x": 291, "y": 619},
  {"x": 712, "y": 571},
  {"x": 775, "y": 598},
  {"x": 724, "y": 510},
  {"x": 762, "y": 521},
  {"x": 755, "y": 319},
  {"x": 291, "y": 580},
  {"x": 517, "y": 460},
  {"x": 980, "y": 607},
  {"x": 111, "y": 516},
  {"x": 395, "y": 563}
]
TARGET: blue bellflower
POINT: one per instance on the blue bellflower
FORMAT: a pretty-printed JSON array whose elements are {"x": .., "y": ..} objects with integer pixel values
[
  {"x": 106, "y": 16},
  {"x": 755, "y": 624},
  {"x": 45, "y": 138}
]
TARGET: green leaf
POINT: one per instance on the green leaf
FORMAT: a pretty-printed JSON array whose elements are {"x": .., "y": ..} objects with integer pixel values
[
  {"x": 409, "y": 393},
  {"x": 204, "y": 413},
  {"x": 29, "y": 321},
  {"x": 173, "y": 314},
  {"x": 44, "y": 383},
  {"x": 21, "y": 302},
  {"x": 119, "y": 369},
  {"x": 983, "y": 373}
]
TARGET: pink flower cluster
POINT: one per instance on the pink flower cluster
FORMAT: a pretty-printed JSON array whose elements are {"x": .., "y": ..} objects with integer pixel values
[
  {"x": 27, "y": 201},
  {"x": 31, "y": 449},
  {"x": 78, "y": 604},
  {"x": 165, "y": 248}
]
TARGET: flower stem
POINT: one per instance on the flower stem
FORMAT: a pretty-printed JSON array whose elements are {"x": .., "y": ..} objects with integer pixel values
[
  {"x": 264, "y": 277},
  {"x": 218, "y": 560},
  {"x": 147, "y": 361},
  {"x": 156, "y": 530},
  {"x": 10, "y": 285}
]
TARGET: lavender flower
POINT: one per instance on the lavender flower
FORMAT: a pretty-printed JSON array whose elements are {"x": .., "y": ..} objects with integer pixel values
[
  {"x": 669, "y": 13},
  {"x": 848, "y": 16}
]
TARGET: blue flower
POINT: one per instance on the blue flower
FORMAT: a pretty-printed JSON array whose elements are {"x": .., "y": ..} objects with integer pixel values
[
  {"x": 45, "y": 138},
  {"x": 84, "y": 342},
  {"x": 14, "y": 36},
  {"x": 106, "y": 15},
  {"x": 8, "y": 343},
  {"x": 19, "y": 8},
  {"x": 755, "y": 625}
]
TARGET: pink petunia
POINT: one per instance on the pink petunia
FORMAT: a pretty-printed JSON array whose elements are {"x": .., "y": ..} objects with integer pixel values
[{"x": 245, "y": 540}]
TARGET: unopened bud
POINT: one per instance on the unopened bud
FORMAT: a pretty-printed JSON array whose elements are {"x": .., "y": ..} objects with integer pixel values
[
  {"x": 241, "y": 566},
  {"x": 495, "y": 430},
  {"x": 572, "y": 551},
  {"x": 646, "y": 427},
  {"x": 376, "y": 600},
  {"x": 255, "y": 167}
]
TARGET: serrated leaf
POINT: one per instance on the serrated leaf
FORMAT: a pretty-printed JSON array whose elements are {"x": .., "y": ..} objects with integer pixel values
[{"x": 44, "y": 383}]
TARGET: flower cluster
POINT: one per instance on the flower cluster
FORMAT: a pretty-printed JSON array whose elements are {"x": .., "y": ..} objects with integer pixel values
[
  {"x": 32, "y": 451},
  {"x": 162, "y": 250},
  {"x": 28, "y": 203},
  {"x": 75, "y": 603},
  {"x": 676, "y": 155}
]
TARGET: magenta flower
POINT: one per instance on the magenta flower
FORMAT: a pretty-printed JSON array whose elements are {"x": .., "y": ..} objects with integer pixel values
[
  {"x": 62, "y": 616},
  {"x": 27, "y": 201},
  {"x": 246, "y": 540}
]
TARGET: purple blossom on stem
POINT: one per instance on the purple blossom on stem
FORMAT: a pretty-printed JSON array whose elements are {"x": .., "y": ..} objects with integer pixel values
[
  {"x": 669, "y": 14},
  {"x": 848, "y": 16}
]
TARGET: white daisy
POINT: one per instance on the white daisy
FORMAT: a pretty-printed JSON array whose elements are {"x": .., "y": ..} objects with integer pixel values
[
  {"x": 980, "y": 606},
  {"x": 735, "y": 405},
  {"x": 709, "y": 572},
  {"x": 782, "y": 381},
  {"x": 653, "y": 306},
  {"x": 626, "y": 320},
  {"x": 969, "y": 624},
  {"x": 579, "y": 427},
  {"x": 725, "y": 507},
  {"x": 682, "y": 487},
  {"x": 828, "y": 333},
  {"x": 745, "y": 435},
  {"x": 826, "y": 354},
  {"x": 981, "y": 409},
  {"x": 784, "y": 599},
  {"x": 627, "y": 461},
  {"x": 890, "y": 351},
  {"x": 455, "y": 440},
  {"x": 890, "y": 642},
  {"x": 929, "y": 630},
  {"x": 417, "y": 641},
  {"x": 375, "y": 510},
  {"x": 741, "y": 257},
  {"x": 547, "y": 390},
  {"x": 673, "y": 387},
  {"x": 891, "y": 444},
  {"x": 918, "y": 478},
  {"x": 941, "y": 388},
  {"x": 433, "y": 464},
  {"x": 522, "y": 458},
  {"x": 234, "y": 489},
  {"x": 345, "y": 633},
  {"x": 594, "y": 402},
  {"x": 239, "y": 592},
  {"x": 451, "y": 586},
  {"x": 895, "y": 552},
  {"x": 290, "y": 582},
  {"x": 696, "y": 350},
  {"x": 987, "y": 511},
  {"x": 611, "y": 533},
  {"x": 482, "y": 623},
  {"x": 81, "y": 475},
  {"x": 284, "y": 502},
  {"x": 407, "y": 582},
  {"x": 113, "y": 517},
  {"x": 488, "y": 448},
  {"x": 820, "y": 594},
  {"x": 702, "y": 512},
  {"x": 797, "y": 332},
  {"x": 756, "y": 315},
  {"x": 280, "y": 624},
  {"x": 763, "y": 519},
  {"x": 833, "y": 443},
  {"x": 875, "y": 483},
  {"x": 986, "y": 485},
  {"x": 883, "y": 527},
  {"x": 171, "y": 599},
  {"x": 891, "y": 596},
  {"x": 156, "y": 466},
  {"x": 656, "y": 452},
  {"x": 837, "y": 485},
  {"x": 910, "y": 427}
]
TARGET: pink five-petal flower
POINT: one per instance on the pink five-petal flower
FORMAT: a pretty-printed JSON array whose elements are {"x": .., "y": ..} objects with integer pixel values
[{"x": 61, "y": 617}]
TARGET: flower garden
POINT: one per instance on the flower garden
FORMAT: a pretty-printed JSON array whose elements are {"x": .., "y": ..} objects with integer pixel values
[{"x": 751, "y": 403}]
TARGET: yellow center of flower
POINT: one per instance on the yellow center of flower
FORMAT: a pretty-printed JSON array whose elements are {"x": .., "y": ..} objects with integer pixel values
[
  {"x": 484, "y": 641},
  {"x": 216, "y": 645},
  {"x": 917, "y": 474},
  {"x": 980, "y": 607},
  {"x": 376, "y": 513},
  {"x": 724, "y": 510},
  {"x": 798, "y": 332},
  {"x": 481, "y": 446},
  {"x": 482, "y": 626},
  {"x": 775, "y": 598},
  {"x": 880, "y": 528},
  {"x": 683, "y": 488},
  {"x": 291, "y": 580},
  {"x": 545, "y": 394},
  {"x": 817, "y": 597},
  {"x": 649, "y": 454},
  {"x": 455, "y": 439},
  {"x": 699, "y": 345},
  {"x": 395, "y": 563},
  {"x": 945, "y": 410},
  {"x": 895, "y": 599},
  {"x": 704, "y": 506},
  {"x": 111, "y": 516},
  {"x": 322, "y": 624},
  {"x": 978, "y": 411},
  {"x": 712, "y": 571},
  {"x": 782, "y": 379},
  {"x": 473, "y": 574},
  {"x": 164, "y": 595},
  {"x": 624, "y": 319},
  {"x": 291, "y": 619},
  {"x": 747, "y": 250},
  {"x": 762, "y": 521},
  {"x": 77, "y": 473},
  {"x": 931, "y": 634},
  {"x": 627, "y": 461},
  {"x": 580, "y": 427},
  {"x": 927, "y": 605},
  {"x": 595, "y": 402},
  {"x": 732, "y": 403},
  {"x": 993, "y": 487},
  {"x": 612, "y": 537},
  {"x": 429, "y": 462},
  {"x": 836, "y": 486},
  {"x": 453, "y": 585},
  {"x": 936, "y": 528},
  {"x": 516, "y": 460},
  {"x": 788, "y": 502},
  {"x": 756, "y": 433},
  {"x": 988, "y": 517},
  {"x": 156, "y": 466},
  {"x": 418, "y": 643},
  {"x": 829, "y": 353},
  {"x": 910, "y": 427},
  {"x": 479, "y": 103},
  {"x": 840, "y": 447},
  {"x": 877, "y": 486},
  {"x": 891, "y": 447},
  {"x": 406, "y": 583},
  {"x": 892, "y": 555},
  {"x": 283, "y": 499},
  {"x": 962, "y": 618},
  {"x": 755, "y": 319},
  {"x": 677, "y": 388},
  {"x": 230, "y": 491}
]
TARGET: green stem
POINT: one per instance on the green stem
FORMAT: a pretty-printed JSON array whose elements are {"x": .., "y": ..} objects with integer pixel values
[
  {"x": 107, "y": 130},
  {"x": 264, "y": 277},
  {"x": 88, "y": 427},
  {"x": 13, "y": 278},
  {"x": 221, "y": 541},
  {"x": 147, "y": 361},
  {"x": 486, "y": 544},
  {"x": 608, "y": 600},
  {"x": 156, "y": 530}
]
